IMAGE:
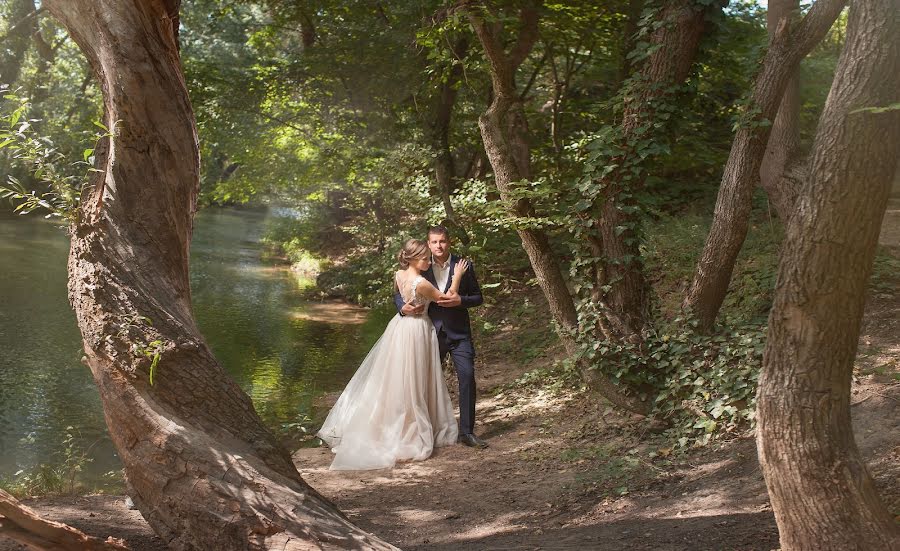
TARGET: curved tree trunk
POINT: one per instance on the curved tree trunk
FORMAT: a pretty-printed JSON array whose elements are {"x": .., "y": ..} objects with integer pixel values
[
  {"x": 821, "y": 491},
  {"x": 203, "y": 470},
  {"x": 731, "y": 219}
]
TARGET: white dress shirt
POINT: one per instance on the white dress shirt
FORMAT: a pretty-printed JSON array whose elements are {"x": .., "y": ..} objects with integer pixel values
[{"x": 441, "y": 273}]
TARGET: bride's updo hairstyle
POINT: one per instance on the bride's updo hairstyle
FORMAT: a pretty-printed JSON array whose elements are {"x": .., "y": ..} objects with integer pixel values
[{"x": 412, "y": 250}]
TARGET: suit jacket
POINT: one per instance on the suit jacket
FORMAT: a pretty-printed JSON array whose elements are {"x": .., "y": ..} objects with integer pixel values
[{"x": 454, "y": 321}]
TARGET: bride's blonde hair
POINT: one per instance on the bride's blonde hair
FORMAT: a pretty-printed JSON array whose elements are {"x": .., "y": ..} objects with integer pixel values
[{"x": 412, "y": 250}]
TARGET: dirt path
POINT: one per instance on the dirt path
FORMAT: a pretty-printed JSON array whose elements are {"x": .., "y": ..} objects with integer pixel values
[{"x": 564, "y": 472}]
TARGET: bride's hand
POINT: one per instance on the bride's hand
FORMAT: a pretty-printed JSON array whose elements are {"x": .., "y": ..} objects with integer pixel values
[{"x": 461, "y": 266}]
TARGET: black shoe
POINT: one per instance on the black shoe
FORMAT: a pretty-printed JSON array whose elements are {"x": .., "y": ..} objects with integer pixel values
[{"x": 472, "y": 441}]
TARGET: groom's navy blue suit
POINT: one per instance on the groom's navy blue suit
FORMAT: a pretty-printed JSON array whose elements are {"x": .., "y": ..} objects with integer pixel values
[{"x": 454, "y": 334}]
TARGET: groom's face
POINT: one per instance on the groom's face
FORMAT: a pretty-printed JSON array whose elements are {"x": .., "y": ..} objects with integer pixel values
[{"x": 439, "y": 245}]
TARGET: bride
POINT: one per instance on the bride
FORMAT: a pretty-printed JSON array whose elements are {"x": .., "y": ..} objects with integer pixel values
[{"x": 397, "y": 407}]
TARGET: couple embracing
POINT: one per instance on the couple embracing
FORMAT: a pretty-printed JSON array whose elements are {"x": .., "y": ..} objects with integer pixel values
[{"x": 397, "y": 407}]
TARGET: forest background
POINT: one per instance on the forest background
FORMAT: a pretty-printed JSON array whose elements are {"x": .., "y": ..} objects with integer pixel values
[{"x": 373, "y": 121}]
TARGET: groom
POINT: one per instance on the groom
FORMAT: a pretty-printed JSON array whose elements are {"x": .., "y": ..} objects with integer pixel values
[{"x": 451, "y": 321}]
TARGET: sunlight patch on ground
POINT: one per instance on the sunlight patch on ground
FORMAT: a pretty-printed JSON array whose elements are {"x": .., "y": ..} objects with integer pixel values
[
  {"x": 539, "y": 402},
  {"x": 411, "y": 515},
  {"x": 503, "y": 524}
]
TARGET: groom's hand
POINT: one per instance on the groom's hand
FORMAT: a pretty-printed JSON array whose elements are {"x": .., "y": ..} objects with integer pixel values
[
  {"x": 450, "y": 302},
  {"x": 410, "y": 310}
]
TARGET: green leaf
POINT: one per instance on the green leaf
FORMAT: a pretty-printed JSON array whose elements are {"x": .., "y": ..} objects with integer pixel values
[{"x": 153, "y": 365}]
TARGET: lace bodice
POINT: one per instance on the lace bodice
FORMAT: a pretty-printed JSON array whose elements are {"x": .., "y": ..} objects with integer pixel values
[{"x": 409, "y": 289}]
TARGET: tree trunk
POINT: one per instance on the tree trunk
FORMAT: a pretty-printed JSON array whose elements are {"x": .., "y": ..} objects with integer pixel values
[
  {"x": 203, "y": 469},
  {"x": 821, "y": 491},
  {"x": 782, "y": 150},
  {"x": 504, "y": 131},
  {"x": 676, "y": 41},
  {"x": 732, "y": 213}
]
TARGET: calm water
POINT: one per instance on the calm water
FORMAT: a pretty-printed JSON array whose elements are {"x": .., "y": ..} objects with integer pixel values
[{"x": 250, "y": 311}]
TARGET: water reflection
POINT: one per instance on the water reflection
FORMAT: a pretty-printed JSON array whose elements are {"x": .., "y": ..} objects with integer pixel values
[{"x": 251, "y": 314}]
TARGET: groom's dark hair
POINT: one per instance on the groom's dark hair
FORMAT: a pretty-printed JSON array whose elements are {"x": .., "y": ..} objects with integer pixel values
[{"x": 439, "y": 230}]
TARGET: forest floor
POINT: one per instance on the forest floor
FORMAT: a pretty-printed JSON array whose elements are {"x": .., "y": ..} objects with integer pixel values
[{"x": 566, "y": 471}]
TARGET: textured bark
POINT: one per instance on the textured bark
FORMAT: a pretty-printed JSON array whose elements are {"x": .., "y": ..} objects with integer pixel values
[
  {"x": 782, "y": 171},
  {"x": 821, "y": 492},
  {"x": 21, "y": 524},
  {"x": 202, "y": 468},
  {"x": 626, "y": 305},
  {"x": 732, "y": 213},
  {"x": 504, "y": 131}
]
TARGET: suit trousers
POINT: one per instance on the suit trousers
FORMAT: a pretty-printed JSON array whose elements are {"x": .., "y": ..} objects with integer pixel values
[{"x": 463, "y": 354}]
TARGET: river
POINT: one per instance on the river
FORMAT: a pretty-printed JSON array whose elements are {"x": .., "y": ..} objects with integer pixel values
[{"x": 277, "y": 346}]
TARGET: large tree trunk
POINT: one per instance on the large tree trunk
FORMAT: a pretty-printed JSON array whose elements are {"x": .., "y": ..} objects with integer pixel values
[
  {"x": 731, "y": 219},
  {"x": 203, "y": 470},
  {"x": 821, "y": 491},
  {"x": 675, "y": 42},
  {"x": 781, "y": 163}
]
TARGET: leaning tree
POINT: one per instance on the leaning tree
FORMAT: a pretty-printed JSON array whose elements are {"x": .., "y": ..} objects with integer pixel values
[
  {"x": 822, "y": 494},
  {"x": 201, "y": 466},
  {"x": 790, "y": 43}
]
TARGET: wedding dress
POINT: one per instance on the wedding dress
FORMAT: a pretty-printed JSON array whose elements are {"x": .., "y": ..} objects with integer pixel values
[{"x": 396, "y": 407}]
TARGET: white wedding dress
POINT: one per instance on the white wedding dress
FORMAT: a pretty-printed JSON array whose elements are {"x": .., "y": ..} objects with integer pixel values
[{"x": 396, "y": 407}]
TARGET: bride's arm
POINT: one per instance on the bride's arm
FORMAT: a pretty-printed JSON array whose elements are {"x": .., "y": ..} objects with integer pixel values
[
  {"x": 458, "y": 272},
  {"x": 429, "y": 291}
]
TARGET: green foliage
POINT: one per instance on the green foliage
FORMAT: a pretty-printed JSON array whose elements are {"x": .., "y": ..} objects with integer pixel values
[
  {"x": 45, "y": 163},
  {"x": 673, "y": 246},
  {"x": 62, "y": 477},
  {"x": 703, "y": 385}
]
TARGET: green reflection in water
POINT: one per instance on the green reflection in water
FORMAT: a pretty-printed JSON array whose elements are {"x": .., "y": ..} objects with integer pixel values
[{"x": 246, "y": 309}]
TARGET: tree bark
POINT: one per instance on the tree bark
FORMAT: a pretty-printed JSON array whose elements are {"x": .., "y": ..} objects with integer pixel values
[
  {"x": 19, "y": 523},
  {"x": 780, "y": 163},
  {"x": 821, "y": 492},
  {"x": 732, "y": 213},
  {"x": 203, "y": 469}
]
